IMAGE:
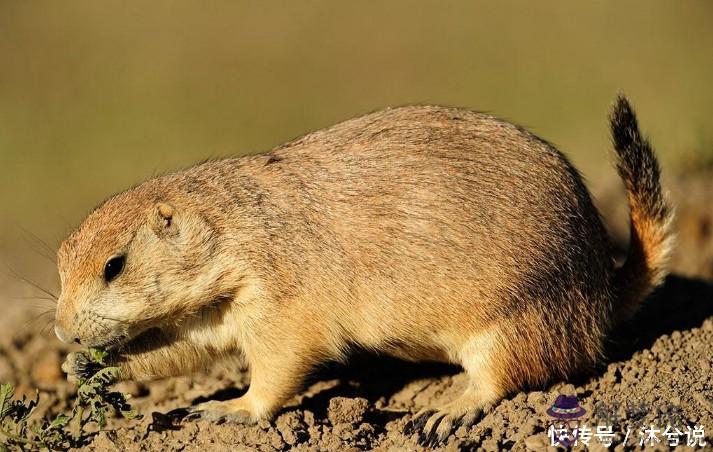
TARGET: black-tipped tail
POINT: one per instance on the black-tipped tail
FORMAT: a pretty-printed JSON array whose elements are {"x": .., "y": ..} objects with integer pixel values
[{"x": 646, "y": 264}]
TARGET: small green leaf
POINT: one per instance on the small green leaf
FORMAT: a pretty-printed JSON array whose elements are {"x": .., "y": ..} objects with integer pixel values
[
  {"x": 99, "y": 414},
  {"x": 97, "y": 355},
  {"x": 59, "y": 422},
  {"x": 130, "y": 414},
  {"x": 7, "y": 392},
  {"x": 103, "y": 378}
]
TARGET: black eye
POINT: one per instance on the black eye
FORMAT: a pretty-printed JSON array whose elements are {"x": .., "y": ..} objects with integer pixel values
[{"x": 113, "y": 267}]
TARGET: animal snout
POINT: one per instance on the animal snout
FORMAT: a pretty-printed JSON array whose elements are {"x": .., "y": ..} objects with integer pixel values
[
  {"x": 64, "y": 335},
  {"x": 65, "y": 322}
]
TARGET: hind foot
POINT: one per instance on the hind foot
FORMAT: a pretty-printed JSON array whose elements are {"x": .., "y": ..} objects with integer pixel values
[
  {"x": 435, "y": 425},
  {"x": 484, "y": 389}
]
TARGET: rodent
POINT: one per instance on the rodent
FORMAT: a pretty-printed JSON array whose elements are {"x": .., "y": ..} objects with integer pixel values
[{"x": 423, "y": 232}]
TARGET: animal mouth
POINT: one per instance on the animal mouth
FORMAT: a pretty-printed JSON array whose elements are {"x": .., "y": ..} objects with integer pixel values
[
  {"x": 113, "y": 343},
  {"x": 118, "y": 341},
  {"x": 125, "y": 343}
]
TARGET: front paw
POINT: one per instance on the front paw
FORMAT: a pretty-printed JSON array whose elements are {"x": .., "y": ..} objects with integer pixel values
[
  {"x": 229, "y": 411},
  {"x": 78, "y": 366}
]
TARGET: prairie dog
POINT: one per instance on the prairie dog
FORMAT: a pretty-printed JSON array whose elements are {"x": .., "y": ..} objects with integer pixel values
[{"x": 424, "y": 232}]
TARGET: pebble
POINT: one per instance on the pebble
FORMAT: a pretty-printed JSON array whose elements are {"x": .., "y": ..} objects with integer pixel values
[
  {"x": 347, "y": 410},
  {"x": 537, "y": 442}
]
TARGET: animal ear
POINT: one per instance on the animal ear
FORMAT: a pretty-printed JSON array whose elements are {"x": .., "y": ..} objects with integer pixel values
[{"x": 162, "y": 219}]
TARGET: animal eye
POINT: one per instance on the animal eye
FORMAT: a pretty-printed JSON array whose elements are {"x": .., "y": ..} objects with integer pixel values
[{"x": 113, "y": 267}]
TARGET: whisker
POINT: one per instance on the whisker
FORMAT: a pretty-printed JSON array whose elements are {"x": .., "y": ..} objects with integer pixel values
[
  {"x": 40, "y": 312},
  {"x": 14, "y": 274},
  {"x": 31, "y": 321},
  {"x": 107, "y": 318},
  {"x": 44, "y": 310},
  {"x": 47, "y": 327},
  {"x": 44, "y": 313},
  {"x": 34, "y": 297},
  {"x": 38, "y": 245}
]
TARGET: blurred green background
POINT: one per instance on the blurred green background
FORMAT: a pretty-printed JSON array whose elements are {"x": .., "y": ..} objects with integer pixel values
[{"x": 98, "y": 95}]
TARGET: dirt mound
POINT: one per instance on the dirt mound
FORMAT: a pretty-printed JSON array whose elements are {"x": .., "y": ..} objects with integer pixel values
[{"x": 358, "y": 407}]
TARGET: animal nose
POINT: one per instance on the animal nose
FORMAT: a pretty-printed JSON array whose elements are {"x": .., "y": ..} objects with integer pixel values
[{"x": 64, "y": 336}]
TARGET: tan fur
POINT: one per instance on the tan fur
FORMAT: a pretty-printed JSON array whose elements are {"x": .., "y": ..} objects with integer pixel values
[{"x": 427, "y": 233}]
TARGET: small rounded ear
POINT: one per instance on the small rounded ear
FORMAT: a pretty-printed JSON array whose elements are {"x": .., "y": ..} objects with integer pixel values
[{"x": 162, "y": 218}]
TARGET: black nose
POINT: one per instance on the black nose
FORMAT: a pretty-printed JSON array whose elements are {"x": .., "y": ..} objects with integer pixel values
[{"x": 77, "y": 341}]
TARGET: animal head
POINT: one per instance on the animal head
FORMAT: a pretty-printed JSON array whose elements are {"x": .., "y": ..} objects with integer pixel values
[{"x": 135, "y": 262}]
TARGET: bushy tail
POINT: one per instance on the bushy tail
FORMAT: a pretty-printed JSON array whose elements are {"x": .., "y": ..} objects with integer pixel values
[{"x": 652, "y": 237}]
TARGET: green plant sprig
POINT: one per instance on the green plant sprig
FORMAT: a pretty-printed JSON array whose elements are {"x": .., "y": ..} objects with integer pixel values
[{"x": 93, "y": 404}]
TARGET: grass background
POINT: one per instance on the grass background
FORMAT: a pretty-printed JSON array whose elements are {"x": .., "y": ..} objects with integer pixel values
[{"x": 98, "y": 95}]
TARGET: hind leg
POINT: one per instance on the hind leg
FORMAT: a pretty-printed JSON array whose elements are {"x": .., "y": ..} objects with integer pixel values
[{"x": 483, "y": 391}]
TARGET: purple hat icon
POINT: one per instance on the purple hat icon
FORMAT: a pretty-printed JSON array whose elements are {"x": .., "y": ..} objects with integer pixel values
[{"x": 566, "y": 407}]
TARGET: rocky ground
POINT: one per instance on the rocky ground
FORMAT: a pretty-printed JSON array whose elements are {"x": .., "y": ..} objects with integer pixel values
[{"x": 658, "y": 373}]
